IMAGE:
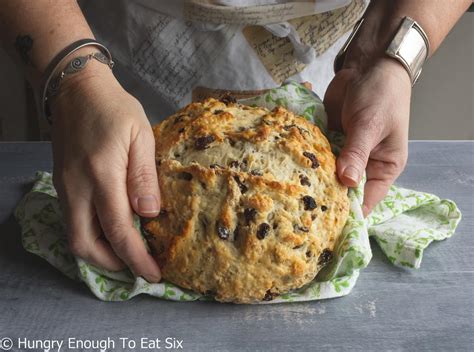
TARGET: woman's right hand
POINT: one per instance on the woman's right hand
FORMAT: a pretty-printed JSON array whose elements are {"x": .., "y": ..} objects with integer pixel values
[{"x": 104, "y": 170}]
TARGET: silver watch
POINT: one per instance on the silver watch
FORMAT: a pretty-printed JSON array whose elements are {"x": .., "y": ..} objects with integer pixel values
[{"x": 410, "y": 46}]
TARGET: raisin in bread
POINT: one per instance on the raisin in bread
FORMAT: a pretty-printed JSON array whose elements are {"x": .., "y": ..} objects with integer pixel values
[{"x": 251, "y": 204}]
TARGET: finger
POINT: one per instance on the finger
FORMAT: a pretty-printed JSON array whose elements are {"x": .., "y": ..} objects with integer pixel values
[
  {"x": 103, "y": 255},
  {"x": 85, "y": 237},
  {"x": 380, "y": 176},
  {"x": 116, "y": 219},
  {"x": 360, "y": 140},
  {"x": 387, "y": 161},
  {"x": 334, "y": 97},
  {"x": 142, "y": 181},
  {"x": 374, "y": 191}
]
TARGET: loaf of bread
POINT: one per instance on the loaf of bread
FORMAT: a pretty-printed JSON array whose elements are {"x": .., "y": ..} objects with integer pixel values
[{"x": 251, "y": 204}]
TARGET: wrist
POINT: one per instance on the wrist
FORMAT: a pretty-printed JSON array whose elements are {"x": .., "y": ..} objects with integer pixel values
[
  {"x": 394, "y": 69},
  {"x": 407, "y": 45},
  {"x": 80, "y": 86},
  {"x": 373, "y": 38},
  {"x": 385, "y": 67}
]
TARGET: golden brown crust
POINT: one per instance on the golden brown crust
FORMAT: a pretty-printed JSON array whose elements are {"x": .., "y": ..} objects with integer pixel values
[{"x": 251, "y": 202}]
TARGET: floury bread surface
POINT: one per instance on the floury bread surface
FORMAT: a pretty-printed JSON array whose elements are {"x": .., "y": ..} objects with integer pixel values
[{"x": 251, "y": 205}]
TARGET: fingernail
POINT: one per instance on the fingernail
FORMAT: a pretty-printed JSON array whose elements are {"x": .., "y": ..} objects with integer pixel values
[
  {"x": 365, "y": 210},
  {"x": 351, "y": 173},
  {"x": 153, "y": 278},
  {"x": 147, "y": 205},
  {"x": 148, "y": 277}
]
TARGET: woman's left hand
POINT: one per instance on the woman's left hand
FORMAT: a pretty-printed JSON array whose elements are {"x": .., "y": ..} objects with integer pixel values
[{"x": 372, "y": 108}]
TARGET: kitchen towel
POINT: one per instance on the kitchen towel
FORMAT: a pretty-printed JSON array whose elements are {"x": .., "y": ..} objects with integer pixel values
[{"x": 403, "y": 225}]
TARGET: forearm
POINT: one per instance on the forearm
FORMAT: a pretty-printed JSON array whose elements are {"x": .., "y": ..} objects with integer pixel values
[
  {"x": 383, "y": 17},
  {"x": 33, "y": 32}
]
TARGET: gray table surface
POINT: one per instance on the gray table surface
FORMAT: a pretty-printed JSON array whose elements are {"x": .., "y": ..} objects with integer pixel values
[{"x": 389, "y": 309}]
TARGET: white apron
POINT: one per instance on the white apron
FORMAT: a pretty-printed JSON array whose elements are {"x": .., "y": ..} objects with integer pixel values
[{"x": 165, "y": 49}]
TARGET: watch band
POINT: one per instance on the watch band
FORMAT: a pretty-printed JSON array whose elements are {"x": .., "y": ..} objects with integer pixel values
[
  {"x": 410, "y": 46},
  {"x": 339, "y": 60}
]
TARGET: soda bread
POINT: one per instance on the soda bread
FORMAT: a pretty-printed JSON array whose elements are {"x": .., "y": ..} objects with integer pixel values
[{"x": 251, "y": 204}]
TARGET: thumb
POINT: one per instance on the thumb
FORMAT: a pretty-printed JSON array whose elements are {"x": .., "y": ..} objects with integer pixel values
[
  {"x": 352, "y": 161},
  {"x": 142, "y": 180}
]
